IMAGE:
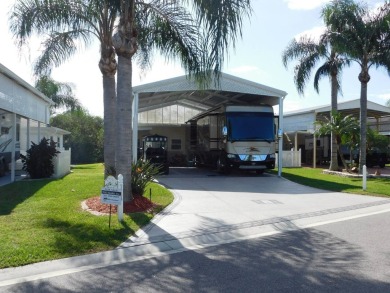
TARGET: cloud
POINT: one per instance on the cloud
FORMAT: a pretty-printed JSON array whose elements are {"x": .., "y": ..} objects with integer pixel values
[
  {"x": 314, "y": 33},
  {"x": 305, "y": 4}
]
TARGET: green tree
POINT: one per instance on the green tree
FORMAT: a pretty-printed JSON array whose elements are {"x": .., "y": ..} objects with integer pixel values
[
  {"x": 351, "y": 140},
  {"x": 309, "y": 54},
  {"x": 38, "y": 161},
  {"x": 60, "y": 93},
  {"x": 64, "y": 25},
  {"x": 364, "y": 37},
  {"x": 340, "y": 126},
  {"x": 86, "y": 138},
  {"x": 199, "y": 40},
  {"x": 377, "y": 141}
]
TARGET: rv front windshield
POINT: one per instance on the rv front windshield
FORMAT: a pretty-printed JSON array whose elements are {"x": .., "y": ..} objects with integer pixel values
[{"x": 250, "y": 126}]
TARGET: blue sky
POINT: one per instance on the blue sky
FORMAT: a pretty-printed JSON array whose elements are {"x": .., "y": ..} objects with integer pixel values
[{"x": 257, "y": 57}]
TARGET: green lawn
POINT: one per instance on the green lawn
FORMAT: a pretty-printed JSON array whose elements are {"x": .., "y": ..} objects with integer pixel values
[
  {"x": 43, "y": 219},
  {"x": 378, "y": 186}
]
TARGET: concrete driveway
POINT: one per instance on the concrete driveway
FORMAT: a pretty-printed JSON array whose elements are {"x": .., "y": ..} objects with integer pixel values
[{"x": 210, "y": 207}]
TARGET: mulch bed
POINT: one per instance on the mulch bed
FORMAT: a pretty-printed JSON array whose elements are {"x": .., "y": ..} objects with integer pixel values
[{"x": 138, "y": 204}]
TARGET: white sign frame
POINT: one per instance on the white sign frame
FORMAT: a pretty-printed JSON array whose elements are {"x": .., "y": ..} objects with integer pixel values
[{"x": 112, "y": 193}]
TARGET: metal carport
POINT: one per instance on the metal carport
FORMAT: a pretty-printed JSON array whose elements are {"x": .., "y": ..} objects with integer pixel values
[{"x": 186, "y": 92}]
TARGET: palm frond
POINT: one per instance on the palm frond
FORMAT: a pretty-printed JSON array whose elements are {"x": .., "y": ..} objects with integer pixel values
[
  {"x": 58, "y": 48},
  {"x": 170, "y": 29},
  {"x": 222, "y": 22}
]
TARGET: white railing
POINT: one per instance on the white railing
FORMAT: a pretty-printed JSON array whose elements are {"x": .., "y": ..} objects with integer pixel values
[
  {"x": 290, "y": 158},
  {"x": 62, "y": 163}
]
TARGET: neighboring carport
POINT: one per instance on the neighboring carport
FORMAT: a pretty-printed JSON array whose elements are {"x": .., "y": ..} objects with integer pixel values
[
  {"x": 186, "y": 92},
  {"x": 301, "y": 122}
]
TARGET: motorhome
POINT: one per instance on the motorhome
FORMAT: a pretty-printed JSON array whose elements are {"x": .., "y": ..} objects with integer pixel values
[{"x": 235, "y": 137}]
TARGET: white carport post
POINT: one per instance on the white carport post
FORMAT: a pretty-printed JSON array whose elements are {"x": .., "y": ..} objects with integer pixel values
[
  {"x": 280, "y": 134},
  {"x": 13, "y": 150},
  {"x": 135, "y": 126}
]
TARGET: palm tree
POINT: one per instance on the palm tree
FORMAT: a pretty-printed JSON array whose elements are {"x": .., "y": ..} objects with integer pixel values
[
  {"x": 59, "y": 92},
  {"x": 364, "y": 37},
  {"x": 199, "y": 40},
  {"x": 65, "y": 24},
  {"x": 340, "y": 126},
  {"x": 309, "y": 53}
]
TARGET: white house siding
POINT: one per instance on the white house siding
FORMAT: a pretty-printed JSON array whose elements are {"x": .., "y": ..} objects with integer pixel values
[
  {"x": 17, "y": 99},
  {"x": 24, "y": 119}
]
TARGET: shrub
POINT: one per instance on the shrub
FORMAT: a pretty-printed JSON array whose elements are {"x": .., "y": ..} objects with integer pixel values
[
  {"x": 142, "y": 172},
  {"x": 38, "y": 162}
]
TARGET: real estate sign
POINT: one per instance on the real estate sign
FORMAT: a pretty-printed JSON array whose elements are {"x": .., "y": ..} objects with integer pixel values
[
  {"x": 112, "y": 193},
  {"x": 110, "y": 196}
]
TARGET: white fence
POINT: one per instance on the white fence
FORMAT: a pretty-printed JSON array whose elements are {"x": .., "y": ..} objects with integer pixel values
[
  {"x": 62, "y": 163},
  {"x": 290, "y": 158}
]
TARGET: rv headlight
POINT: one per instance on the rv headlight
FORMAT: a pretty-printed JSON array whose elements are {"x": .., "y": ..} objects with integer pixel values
[{"x": 231, "y": 156}]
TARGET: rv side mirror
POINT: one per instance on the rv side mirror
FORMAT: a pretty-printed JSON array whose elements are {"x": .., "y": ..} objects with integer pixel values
[
  {"x": 280, "y": 133},
  {"x": 224, "y": 131}
]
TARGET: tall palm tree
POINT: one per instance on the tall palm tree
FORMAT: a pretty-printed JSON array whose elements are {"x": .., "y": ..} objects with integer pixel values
[
  {"x": 309, "y": 53},
  {"x": 65, "y": 24},
  {"x": 196, "y": 32},
  {"x": 340, "y": 126},
  {"x": 364, "y": 36},
  {"x": 199, "y": 40},
  {"x": 59, "y": 92}
]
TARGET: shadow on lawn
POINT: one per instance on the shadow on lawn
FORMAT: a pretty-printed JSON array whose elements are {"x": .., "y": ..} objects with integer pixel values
[
  {"x": 321, "y": 184},
  {"x": 15, "y": 193},
  {"x": 71, "y": 239},
  {"x": 84, "y": 167}
]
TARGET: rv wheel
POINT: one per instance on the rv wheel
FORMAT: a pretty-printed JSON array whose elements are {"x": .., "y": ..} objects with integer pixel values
[{"x": 222, "y": 167}]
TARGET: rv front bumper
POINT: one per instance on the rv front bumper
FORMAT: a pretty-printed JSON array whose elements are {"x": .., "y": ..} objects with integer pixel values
[{"x": 251, "y": 162}]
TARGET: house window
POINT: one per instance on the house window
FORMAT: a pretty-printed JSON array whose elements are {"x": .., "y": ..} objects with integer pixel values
[{"x": 176, "y": 144}]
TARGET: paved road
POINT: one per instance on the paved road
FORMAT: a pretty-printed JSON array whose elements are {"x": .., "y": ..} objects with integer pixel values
[
  {"x": 347, "y": 256},
  {"x": 292, "y": 239}
]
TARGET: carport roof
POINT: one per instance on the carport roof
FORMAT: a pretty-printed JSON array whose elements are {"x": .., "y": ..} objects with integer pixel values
[
  {"x": 185, "y": 92},
  {"x": 374, "y": 110}
]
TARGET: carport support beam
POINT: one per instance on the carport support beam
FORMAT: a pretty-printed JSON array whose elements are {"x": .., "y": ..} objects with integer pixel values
[
  {"x": 135, "y": 126},
  {"x": 280, "y": 149}
]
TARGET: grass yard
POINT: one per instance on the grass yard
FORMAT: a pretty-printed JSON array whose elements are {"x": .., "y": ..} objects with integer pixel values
[
  {"x": 378, "y": 186},
  {"x": 43, "y": 219}
]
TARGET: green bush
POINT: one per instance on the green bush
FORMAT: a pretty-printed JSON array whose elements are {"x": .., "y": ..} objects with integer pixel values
[
  {"x": 38, "y": 162},
  {"x": 142, "y": 172}
]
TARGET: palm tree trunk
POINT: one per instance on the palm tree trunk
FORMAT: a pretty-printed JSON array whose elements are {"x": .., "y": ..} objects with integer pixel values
[
  {"x": 124, "y": 123},
  {"x": 109, "y": 100},
  {"x": 342, "y": 157},
  {"x": 363, "y": 126},
  {"x": 334, "y": 166}
]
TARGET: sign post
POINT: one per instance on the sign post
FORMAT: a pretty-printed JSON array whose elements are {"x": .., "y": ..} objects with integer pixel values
[{"x": 112, "y": 194}]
